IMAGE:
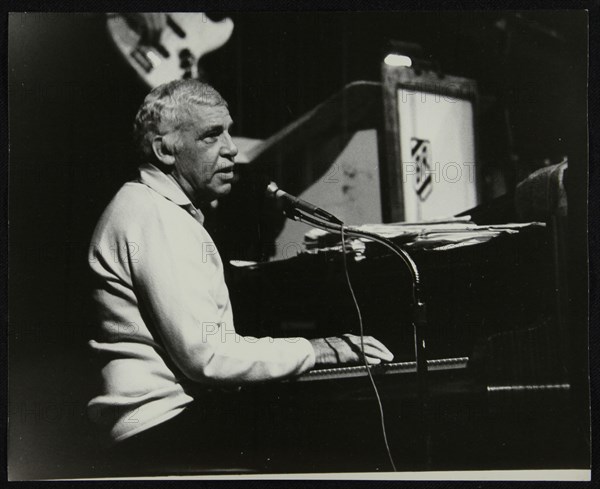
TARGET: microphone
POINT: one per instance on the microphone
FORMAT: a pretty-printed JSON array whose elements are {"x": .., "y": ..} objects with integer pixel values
[{"x": 291, "y": 202}]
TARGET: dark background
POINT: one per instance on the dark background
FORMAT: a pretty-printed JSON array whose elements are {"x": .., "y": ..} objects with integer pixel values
[{"x": 72, "y": 102}]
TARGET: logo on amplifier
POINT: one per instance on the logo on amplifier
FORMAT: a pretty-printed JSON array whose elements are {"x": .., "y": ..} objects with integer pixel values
[{"x": 420, "y": 150}]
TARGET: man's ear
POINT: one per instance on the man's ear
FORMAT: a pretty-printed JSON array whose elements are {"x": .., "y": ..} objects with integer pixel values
[{"x": 163, "y": 149}]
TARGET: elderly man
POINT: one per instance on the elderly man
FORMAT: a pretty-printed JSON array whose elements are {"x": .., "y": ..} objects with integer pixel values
[{"x": 165, "y": 323}]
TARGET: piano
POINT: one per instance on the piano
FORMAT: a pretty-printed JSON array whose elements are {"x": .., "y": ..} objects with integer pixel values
[{"x": 497, "y": 393}]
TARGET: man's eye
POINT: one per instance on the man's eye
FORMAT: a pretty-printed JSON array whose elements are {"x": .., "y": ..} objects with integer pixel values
[{"x": 211, "y": 137}]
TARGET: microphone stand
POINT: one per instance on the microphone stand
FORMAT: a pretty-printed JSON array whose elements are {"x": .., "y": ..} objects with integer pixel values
[{"x": 419, "y": 312}]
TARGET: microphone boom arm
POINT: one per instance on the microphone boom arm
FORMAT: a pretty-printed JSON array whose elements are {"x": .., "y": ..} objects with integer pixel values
[{"x": 419, "y": 312}]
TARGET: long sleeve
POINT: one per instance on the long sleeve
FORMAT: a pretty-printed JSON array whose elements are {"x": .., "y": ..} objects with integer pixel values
[
  {"x": 164, "y": 315},
  {"x": 178, "y": 276}
]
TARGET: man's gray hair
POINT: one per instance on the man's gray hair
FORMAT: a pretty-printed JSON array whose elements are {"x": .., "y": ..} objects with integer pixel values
[{"x": 167, "y": 107}]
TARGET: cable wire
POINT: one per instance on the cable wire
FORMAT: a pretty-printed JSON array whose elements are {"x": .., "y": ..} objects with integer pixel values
[
  {"x": 418, "y": 305},
  {"x": 362, "y": 348}
]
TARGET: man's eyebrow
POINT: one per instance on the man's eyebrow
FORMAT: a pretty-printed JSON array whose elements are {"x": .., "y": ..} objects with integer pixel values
[
  {"x": 215, "y": 127},
  {"x": 212, "y": 128}
]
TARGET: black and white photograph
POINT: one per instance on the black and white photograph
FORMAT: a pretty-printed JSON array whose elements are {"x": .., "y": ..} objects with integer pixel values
[{"x": 291, "y": 243}]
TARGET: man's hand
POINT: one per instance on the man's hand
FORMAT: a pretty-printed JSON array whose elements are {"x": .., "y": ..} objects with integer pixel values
[
  {"x": 345, "y": 349},
  {"x": 149, "y": 25}
]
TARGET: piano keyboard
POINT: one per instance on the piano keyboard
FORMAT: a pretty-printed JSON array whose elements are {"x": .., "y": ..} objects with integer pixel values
[{"x": 383, "y": 369}]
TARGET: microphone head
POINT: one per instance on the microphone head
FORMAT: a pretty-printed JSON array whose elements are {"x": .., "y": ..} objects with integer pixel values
[{"x": 272, "y": 189}]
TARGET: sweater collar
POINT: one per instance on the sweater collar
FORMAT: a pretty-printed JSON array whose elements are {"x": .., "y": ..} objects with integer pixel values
[{"x": 168, "y": 187}]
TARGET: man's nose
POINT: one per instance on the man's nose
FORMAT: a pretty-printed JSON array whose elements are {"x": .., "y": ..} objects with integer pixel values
[{"x": 229, "y": 148}]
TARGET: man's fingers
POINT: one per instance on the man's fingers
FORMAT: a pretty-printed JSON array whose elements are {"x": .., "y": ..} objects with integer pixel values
[
  {"x": 152, "y": 29},
  {"x": 157, "y": 23},
  {"x": 381, "y": 349},
  {"x": 149, "y": 25},
  {"x": 372, "y": 361},
  {"x": 347, "y": 349},
  {"x": 373, "y": 348},
  {"x": 162, "y": 21},
  {"x": 377, "y": 353}
]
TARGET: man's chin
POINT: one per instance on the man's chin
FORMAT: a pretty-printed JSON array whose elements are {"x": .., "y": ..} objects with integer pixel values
[
  {"x": 222, "y": 190},
  {"x": 225, "y": 189}
]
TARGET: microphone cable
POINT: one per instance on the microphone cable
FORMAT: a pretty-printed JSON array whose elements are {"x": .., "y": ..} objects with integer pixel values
[
  {"x": 418, "y": 306},
  {"x": 302, "y": 217},
  {"x": 362, "y": 348}
]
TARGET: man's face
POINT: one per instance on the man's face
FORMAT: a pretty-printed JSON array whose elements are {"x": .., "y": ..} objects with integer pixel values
[{"x": 205, "y": 153}]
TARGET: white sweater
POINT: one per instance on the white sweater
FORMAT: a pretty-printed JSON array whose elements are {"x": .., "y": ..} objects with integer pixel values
[{"x": 164, "y": 314}]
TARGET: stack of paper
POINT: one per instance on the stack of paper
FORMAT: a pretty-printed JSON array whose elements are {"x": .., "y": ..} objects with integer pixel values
[{"x": 438, "y": 235}]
